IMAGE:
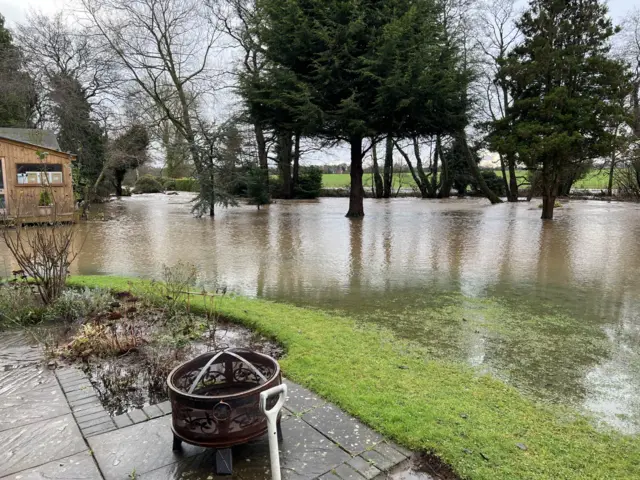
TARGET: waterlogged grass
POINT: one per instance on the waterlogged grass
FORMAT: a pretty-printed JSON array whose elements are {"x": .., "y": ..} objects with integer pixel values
[{"x": 483, "y": 428}]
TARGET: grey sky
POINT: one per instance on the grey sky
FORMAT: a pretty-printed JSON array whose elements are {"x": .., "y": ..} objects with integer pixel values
[{"x": 15, "y": 10}]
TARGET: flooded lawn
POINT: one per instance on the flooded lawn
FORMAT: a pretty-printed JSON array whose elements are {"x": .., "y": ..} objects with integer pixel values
[{"x": 552, "y": 308}]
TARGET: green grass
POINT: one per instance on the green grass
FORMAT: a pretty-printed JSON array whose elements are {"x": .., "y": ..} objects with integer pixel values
[
  {"x": 473, "y": 422},
  {"x": 597, "y": 179}
]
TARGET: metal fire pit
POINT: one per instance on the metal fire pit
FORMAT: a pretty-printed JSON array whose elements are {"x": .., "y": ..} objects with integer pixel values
[{"x": 215, "y": 400}]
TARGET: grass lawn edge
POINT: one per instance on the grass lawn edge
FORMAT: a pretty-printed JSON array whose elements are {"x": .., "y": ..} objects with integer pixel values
[{"x": 483, "y": 428}]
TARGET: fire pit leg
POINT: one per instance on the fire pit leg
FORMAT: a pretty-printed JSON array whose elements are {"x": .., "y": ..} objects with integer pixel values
[
  {"x": 177, "y": 443},
  {"x": 224, "y": 462}
]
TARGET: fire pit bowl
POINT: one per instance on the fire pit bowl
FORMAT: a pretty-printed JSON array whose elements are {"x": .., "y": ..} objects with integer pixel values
[{"x": 215, "y": 398}]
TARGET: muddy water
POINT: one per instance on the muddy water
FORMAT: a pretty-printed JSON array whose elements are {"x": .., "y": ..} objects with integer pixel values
[{"x": 552, "y": 308}]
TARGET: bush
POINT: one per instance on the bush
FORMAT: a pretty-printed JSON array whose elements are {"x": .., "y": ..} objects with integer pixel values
[
  {"x": 168, "y": 183},
  {"x": 494, "y": 182},
  {"x": 19, "y": 305},
  {"x": 310, "y": 183},
  {"x": 148, "y": 184},
  {"x": 74, "y": 305},
  {"x": 186, "y": 185}
]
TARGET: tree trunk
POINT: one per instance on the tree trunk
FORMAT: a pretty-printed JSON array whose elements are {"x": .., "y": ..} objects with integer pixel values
[
  {"x": 212, "y": 195},
  {"x": 296, "y": 162},
  {"x": 434, "y": 170},
  {"x": 446, "y": 182},
  {"x": 377, "y": 178},
  {"x": 548, "y": 204},
  {"x": 263, "y": 160},
  {"x": 505, "y": 179},
  {"x": 475, "y": 171},
  {"x": 284, "y": 163},
  {"x": 513, "y": 180},
  {"x": 388, "y": 168},
  {"x": 356, "y": 196}
]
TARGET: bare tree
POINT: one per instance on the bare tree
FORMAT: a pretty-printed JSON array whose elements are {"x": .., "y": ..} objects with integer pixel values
[
  {"x": 56, "y": 47},
  {"x": 239, "y": 20},
  {"x": 497, "y": 35},
  {"x": 165, "y": 47}
]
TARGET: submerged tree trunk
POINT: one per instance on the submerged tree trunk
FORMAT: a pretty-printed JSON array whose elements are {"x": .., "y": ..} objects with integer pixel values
[
  {"x": 513, "y": 180},
  {"x": 475, "y": 171},
  {"x": 388, "y": 168},
  {"x": 356, "y": 196},
  {"x": 505, "y": 179},
  {"x": 377, "y": 178},
  {"x": 263, "y": 160},
  {"x": 548, "y": 204},
  {"x": 284, "y": 163},
  {"x": 296, "y": 163},
  {"x": 446, "y": 182}
]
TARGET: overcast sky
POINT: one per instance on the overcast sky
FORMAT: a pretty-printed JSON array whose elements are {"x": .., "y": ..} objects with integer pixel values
[{"x": 15, "y": 10}]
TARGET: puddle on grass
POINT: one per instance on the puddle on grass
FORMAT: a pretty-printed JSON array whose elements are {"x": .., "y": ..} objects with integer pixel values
[{"x": 138, "y": 379}]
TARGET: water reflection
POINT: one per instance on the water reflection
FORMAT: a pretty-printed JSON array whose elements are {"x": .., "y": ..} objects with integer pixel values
[{"x": 552, "y": 308}]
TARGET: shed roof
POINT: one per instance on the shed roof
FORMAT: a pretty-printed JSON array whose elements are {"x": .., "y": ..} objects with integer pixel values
[{"x": 31, "y": 136}]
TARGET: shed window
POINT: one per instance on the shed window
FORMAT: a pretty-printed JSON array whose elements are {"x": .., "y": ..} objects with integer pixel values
[
  {"x": 1, "y": 174},
  {"x": 39, "y": 174},
  {"x": 2, "y": 204}
]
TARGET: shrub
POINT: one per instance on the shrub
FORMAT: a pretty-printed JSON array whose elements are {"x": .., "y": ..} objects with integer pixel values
[
  {"x": 74, "y": 305},
  {"x": 186, "y": 185},
  {"x": 493, "y": 181},
  {"x": 148, "y": 184},
  {"x": 168, "y": 183},
  {"x": 45, "y": 199},
  {"x": 19, "y": 305},
  {"x": 310, "y": 182}
]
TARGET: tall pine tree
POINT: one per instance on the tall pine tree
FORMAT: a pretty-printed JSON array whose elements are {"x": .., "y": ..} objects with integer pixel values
[{"x": 562, "y": 81}]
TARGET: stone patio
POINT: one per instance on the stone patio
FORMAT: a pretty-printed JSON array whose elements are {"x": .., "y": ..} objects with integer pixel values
[{"x": 53, "y": 426}]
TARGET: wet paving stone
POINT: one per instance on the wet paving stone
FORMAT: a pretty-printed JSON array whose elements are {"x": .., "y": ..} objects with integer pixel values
[
  {"x": 38, "y": 443},
  {"x": 18, "y": 349},
  {"x": 364, "y": 468},
  {"x": 391, "y": 453},
  {"x": 380, "y": 461},
  {"x": 305, "y": 454},
  {"x": 152, "y": 411},
  {"x": 20, "y": 409},
  {"x": 143, "y": 447},
  {"x": 122, "y": 421},
  {"x": 25, "y": 379},
  {"x": 346, "y": 472},
  {"x": 342, "y": 429},
  {"x": 137, "y": 416},
  {"x": 77, "y": 467},
  {"x": 198, "y": 467},
  {"x": 300, "y": 400}
]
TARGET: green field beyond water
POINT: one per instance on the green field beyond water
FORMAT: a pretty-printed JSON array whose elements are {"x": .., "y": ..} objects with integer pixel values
[{"x": 596, "y": 180}]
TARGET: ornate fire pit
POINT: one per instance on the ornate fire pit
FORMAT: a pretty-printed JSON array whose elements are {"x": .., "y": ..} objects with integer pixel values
[{"x": 215, "y": 400}]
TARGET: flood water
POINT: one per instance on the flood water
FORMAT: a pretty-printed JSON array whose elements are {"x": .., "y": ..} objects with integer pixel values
[{"x": 552, "y": 308}]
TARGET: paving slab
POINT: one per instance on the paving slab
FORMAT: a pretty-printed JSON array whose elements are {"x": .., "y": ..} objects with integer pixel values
[
  {"x": 300, "y": 400},
  {"x": 305, "y": 454},
  {"x": 76, "y": 467},
  {"x": 25, "y": 379},
  {"x": 144, "y": 447},
  {"x": 38, "y": 443},
  {"x": 347, "y": 472},
  {"x": 22, "y": 408},
  {"x": 19, "y": 349},
  {"x": 197, "y": 467},
  {"x": 380, "y": 461},
  {"x": 364, "y": 467},
  {"x": 350, "y": 434}
]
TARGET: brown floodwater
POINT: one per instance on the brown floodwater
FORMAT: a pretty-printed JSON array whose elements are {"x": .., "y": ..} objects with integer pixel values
[{"x": 552, "y": 308}]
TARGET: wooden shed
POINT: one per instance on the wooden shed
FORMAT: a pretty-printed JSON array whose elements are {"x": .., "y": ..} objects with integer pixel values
[{"x": 34, "y": 187}]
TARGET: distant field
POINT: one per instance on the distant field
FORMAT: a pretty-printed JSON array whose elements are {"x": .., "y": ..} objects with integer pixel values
[{"x": 598, "y": 179}]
